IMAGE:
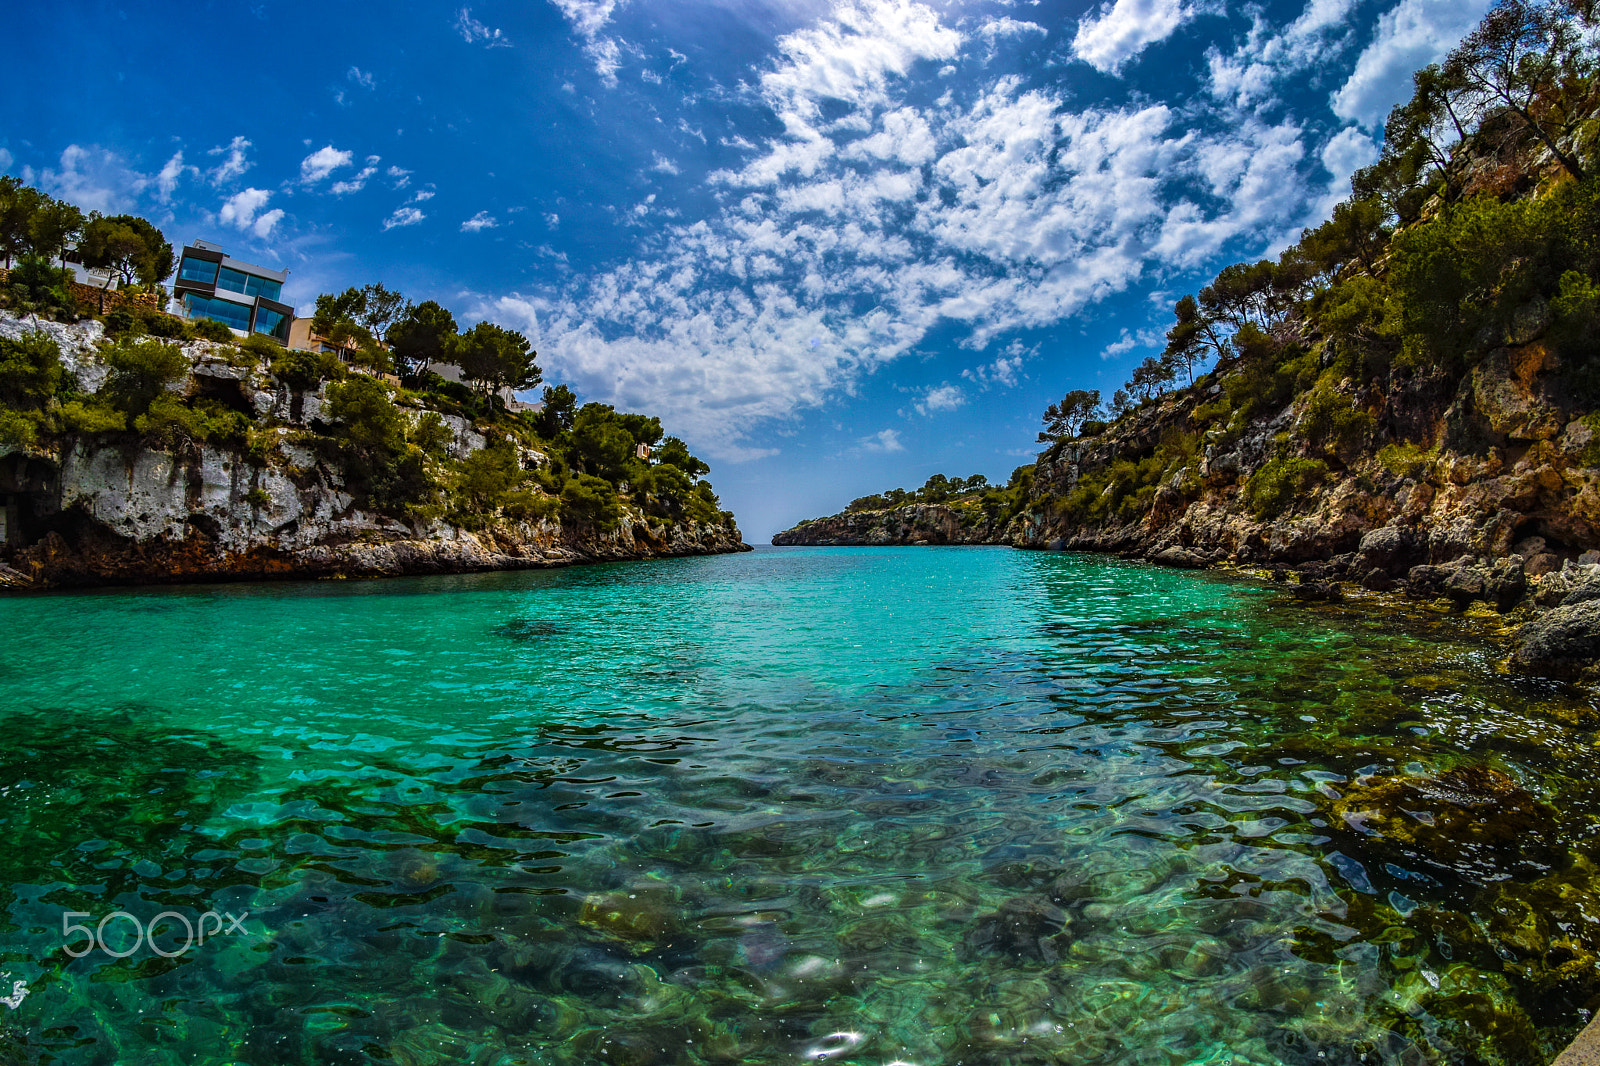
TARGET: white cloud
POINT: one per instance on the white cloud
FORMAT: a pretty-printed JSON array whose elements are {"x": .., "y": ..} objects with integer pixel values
[
  {"x": 421, "y": 196},
  {"x": 322, "y": 162},
  {"x": 403, "y": 216},
  {"x": 885, "y": 440},
  {"x": 552, "y": 220},
  {"x": 663, "y": 165},
  {"x": 1249, "y": 75},
  {"x": 267, "y": 222},
  {"x": 171, "y": 173},
  {"x": 1009, "y": 27},
  {"x": 5, "y": 159},
  {"x": 401, "y": 176},
  {"x": 1145, "y": 338},
  {"x": 362, "y": 78},
  {"x": 93, "y": 178},
  {"x": 1116, "y": 33},
  {"x": 241, "y": 211},
  {"x": 234, "y": 163},
  {"x": 872, "y": 219},
  {"x": 480, "y": 221},
  {"x": 588, "y": 18},
  {"x": 944, "y": 397},
  {"x": 474, "y": 32},
  {"x": 1005, "y": 371},
  {"x": 357, "y": 182},
  {"x": 1410, "y": 35}
]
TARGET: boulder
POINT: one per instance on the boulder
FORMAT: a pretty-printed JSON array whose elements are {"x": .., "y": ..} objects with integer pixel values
[
  {"x": 1582, "y": 594},
  {"x": 1563, "y": 642},
  {"x": 1505, "y": 584},
  {"x": 1386, "y": 548},
  {"x": 1182, "y": 558},
  {"x": 1317, "y": 592}
]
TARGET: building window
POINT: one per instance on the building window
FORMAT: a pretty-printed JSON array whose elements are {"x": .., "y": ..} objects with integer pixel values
[
  {"x": 197, "y": 270},
  {"x": 272, "y": 323},
  {"x": 235, "y": 316},
  {"x": 249, "y": 284},
  {"x": 231, "y": 279}
]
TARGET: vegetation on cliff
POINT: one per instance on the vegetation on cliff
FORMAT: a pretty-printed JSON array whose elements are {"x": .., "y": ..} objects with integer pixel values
[
  {"x": 1410, "y": 393},
  {"x": 1474, "y": 233},
  {"x": 379, "y": 425}
]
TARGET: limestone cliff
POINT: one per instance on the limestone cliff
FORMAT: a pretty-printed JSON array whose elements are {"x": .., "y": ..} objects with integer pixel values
[
  {"x": 85, "y": 508},
  {"x": 919, "y": 524}
]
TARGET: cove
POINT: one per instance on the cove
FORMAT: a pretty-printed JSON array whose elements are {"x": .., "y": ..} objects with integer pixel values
[{"x": 920, "y": 805}]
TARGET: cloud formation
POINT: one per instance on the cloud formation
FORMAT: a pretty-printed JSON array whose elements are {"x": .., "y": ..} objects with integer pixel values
[
  {"x": 403, "y": 216},
  {"x": 588, "y": 18},
  {"x": 871, "y": 219},
  {"x": 1411, "y": 35},
  {"x": 480, "y": 221},
  {"x": 324, "y": 161},
  {"x": 233, "y": 164},
  {"x": 1118, "y": 32},
  {"x": 885, "y": 440},
  {"x": 946, "y": 397},
  {"x": 241, "y": 211},
  {"x": 93, "y": 178},
  {"x": 474, "y": 32}
]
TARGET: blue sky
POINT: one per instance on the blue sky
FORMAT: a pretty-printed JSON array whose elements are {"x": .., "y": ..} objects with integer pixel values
[{"x": 836, "y": 246}]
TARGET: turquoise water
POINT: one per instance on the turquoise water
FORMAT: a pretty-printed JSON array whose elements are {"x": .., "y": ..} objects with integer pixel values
[{"x": 923, "y": 806}]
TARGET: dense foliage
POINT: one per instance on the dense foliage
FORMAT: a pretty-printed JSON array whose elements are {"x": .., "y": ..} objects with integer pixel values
[
  {"x": 415, "y": 447},
  {"x": 1478, "y": 227}
]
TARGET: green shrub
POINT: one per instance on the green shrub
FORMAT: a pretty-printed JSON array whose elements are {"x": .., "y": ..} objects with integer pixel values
[
  {"x": 18, "y": 428},
  {"x": 38, "y": 287},
  {"x": 169, "y": 422},
  {"x": 92, "y": 416},
  {"x": 30, "y": 371},
  {"x": 1273, "y": 487},
  {"x": 140, "y": 372},
  {"x": 368, "y": 416},
  {"x": 432, "y": 435},
  {"x": 120, "y": 323},
  {"x": 588, "y": 500},
  {"x": 1405, "y": 459},
  {"x": 160, "y": 324},
  {"x": 302, "y": 370},
  {"x": 209, "y": 329},
  {"x": 1332, "y": 420},
  {"x": 258, "y": 498},
  {"x": 263, "y": 347}
]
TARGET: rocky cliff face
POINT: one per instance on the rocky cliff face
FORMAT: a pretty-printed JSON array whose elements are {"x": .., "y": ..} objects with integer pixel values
[
  {"x": 919, "y": 524},
  {"x": 1481, "y": 489},
  {"x": 1500, "y": 463},
  {"x": 98, "y": 510}
]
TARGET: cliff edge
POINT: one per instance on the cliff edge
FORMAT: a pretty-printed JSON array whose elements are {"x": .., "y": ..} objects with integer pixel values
[{"x": 144, "y": 461}]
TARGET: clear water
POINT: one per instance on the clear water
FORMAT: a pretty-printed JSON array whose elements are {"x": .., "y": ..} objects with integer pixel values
[{"x": 923, "y": 806}]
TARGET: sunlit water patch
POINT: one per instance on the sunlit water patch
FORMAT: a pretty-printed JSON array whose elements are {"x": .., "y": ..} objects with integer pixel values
[{"x": 926, "y": 806}]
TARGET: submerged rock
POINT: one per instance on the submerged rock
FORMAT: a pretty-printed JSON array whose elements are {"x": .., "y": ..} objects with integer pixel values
[
  {"x": 638, "y": 917},
  {"x": 1023, "y": 927},
  {"x": 1474, "y": 821}
]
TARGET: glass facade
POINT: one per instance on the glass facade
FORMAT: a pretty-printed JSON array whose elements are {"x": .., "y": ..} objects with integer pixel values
[
  {"x": 230, "y": 279},
  {"x": 235, "y": 316},
  {"x": 272, "y": 323},
  {"x": 248, "y": 284},
  {"x": 197, "y": 270}
]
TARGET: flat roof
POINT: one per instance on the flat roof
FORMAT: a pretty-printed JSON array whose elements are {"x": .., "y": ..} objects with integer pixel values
[{"x": 238, "y": 264}]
